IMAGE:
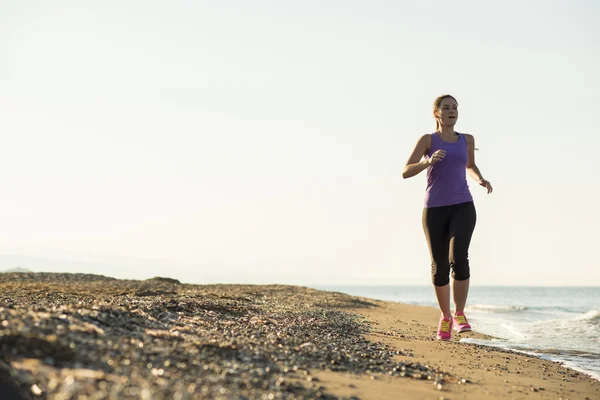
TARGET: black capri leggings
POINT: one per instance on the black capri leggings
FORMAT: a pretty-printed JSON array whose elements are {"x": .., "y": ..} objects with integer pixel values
[{"x": 448, "y": 230}]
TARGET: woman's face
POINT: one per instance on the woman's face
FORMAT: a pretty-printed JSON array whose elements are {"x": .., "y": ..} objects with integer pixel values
[{"x": 448, "y": 112}]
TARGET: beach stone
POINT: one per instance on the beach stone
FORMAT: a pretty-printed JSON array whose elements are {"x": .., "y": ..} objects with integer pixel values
[
  {"x": 9, "y": 388},
  {"x": 164, "y": 280}
]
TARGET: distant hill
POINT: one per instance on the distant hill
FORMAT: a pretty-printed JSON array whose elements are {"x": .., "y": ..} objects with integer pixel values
[{"x": 18, "y": 269}]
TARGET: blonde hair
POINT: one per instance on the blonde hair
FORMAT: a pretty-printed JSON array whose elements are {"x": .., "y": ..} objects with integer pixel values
[{"x": 436, "y": 106}]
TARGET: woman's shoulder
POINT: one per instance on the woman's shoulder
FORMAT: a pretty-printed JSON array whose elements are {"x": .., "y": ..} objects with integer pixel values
[
  {"x": 426, "y": 140},
  {"x": 469, "y": 138},
  {"x": 427, "y": 137}
]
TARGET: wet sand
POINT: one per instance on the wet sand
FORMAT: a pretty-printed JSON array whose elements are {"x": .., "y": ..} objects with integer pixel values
[
  {"x": 489, "y": 373},
  {"x": 77, "y": 336}
]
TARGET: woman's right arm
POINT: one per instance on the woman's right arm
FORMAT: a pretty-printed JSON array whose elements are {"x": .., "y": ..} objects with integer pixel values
[{"x": 414, "y": 165}]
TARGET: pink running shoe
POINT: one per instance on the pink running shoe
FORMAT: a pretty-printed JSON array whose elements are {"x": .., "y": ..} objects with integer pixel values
[
  {"x": 445, "y": 329},
  {"x": 461, "y": 323}
]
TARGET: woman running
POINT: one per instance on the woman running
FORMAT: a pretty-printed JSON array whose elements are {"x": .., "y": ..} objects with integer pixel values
[{"x": 449, "y": 215}]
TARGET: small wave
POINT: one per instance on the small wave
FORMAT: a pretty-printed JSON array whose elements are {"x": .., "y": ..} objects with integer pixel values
[
  {"x": 592, "y": 315},
  {"x": 574, "y": 359},
  {"x": 491, "y": 308},
  {"x": 569, "y": 352}
]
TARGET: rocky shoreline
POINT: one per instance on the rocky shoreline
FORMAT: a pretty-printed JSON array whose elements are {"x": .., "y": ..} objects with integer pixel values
[{"x": 81, "y": 336}]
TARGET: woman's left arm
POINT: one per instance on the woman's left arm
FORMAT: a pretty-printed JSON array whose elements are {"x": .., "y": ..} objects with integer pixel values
[{"x": 472, "y": 167}]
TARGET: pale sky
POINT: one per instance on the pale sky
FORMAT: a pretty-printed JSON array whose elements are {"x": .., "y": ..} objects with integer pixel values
[{"x": 263, "y": 141}]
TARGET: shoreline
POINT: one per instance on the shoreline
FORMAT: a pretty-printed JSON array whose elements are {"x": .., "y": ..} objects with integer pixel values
[
  {"x": 69, "y": 335},
  {"x": 495, "y": 373},
  {"x": 516, "y": 322}
]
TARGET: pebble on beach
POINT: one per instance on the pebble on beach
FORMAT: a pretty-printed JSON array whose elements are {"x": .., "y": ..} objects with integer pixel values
[{"x": 68, "y": 336}]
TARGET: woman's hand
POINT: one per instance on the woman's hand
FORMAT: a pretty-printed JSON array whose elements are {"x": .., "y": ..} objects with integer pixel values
[
  {"x": 486, "y": 184},
  {"x": 438, "y": 155}
]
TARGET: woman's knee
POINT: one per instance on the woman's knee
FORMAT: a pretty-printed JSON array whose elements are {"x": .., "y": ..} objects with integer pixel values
[
  {"x": 440, "y": 274},
  {"x": 461, "y": 271}
]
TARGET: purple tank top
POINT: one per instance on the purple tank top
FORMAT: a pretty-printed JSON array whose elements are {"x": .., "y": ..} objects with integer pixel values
[{"x": 447, "y": 179}]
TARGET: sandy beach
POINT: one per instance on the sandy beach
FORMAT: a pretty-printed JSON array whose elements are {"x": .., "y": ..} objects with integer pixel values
[
  {"x": 489, "y": 373},
  {"x": 76, "y": 336}
]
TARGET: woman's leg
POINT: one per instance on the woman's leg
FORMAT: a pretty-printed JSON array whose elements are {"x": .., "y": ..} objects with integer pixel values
[
  {"x": 442, "y": 293},
  {"x": 462, "y": 225},
  {"x": 460, "y": 291},
  {"x": 436, "y": 228}
]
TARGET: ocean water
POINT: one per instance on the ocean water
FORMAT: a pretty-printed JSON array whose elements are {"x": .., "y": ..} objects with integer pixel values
[{"x": 555, "y": 323}]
